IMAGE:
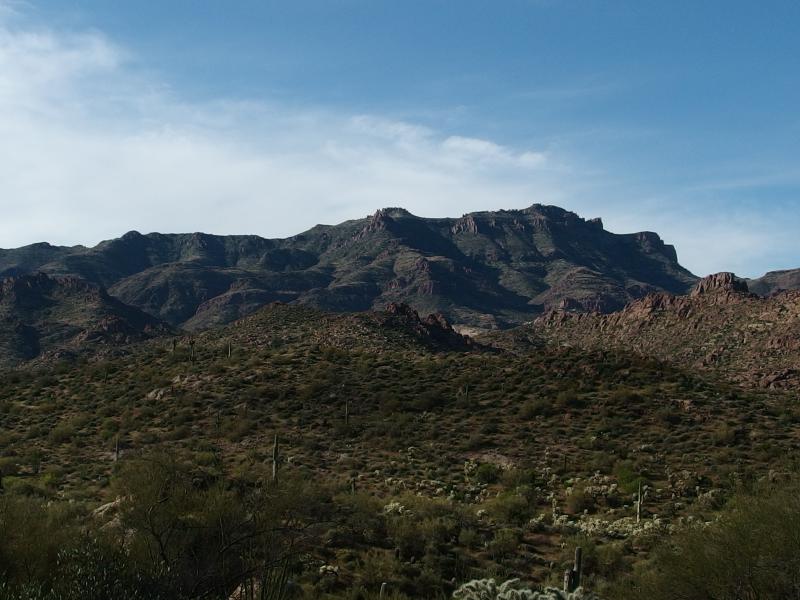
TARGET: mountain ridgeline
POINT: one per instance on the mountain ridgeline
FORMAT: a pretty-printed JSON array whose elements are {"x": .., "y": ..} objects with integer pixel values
[{"x": 486, "y": 269}]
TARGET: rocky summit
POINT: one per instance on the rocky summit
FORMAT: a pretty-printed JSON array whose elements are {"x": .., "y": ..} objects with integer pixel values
[{"x": 485, "y": 270}]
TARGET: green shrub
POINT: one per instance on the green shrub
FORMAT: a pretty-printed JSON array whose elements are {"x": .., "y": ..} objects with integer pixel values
[
  {"x": 753, "y": 551},
  {"x": 536, "y": 407},
  {"x": 504, "y": 544},
  {"x": 567, "y": 400},
  {"x": 487, "y": 473},
  {"x": 512, "y": 507},
  {"x": 627, "y": 477},
  {"x": 577, "y": 501},
  {"x": 61, "y": 433}
]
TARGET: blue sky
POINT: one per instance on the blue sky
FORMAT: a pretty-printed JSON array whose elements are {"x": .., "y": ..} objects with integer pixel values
[{"x": 269, "y": 117}]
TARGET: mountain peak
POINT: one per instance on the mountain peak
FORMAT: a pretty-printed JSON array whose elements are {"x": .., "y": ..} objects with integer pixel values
[
  {"x": 718, "y": 283},
  {"x": 395, "y": 212}
]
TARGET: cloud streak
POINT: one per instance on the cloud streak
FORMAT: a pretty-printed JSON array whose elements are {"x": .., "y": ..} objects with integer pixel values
[
  {"x": 91, "y": 146},
  {"x": 92, "y": 149}
]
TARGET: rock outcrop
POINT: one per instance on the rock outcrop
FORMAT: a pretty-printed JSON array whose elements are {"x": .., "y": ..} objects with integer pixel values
[
  {"x": 720, "y": 283},
  {"x": 433, "y": 329},
  {"x": 719, "y": 325}
]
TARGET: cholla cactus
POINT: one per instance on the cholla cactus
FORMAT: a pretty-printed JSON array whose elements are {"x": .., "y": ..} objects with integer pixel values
[
  {"x": 487, "y": 589},
  {"x": 395, "y": 508}
]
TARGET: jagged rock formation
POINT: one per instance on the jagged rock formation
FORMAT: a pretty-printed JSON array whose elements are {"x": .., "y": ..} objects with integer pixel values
[
  {"x": 485, "y": 269},
  {"x": 434, "y": 330},
  {"x": 45, "y": 316},
  {"x": 720, "y": 326},
  {"x": 726, "y": 284}
]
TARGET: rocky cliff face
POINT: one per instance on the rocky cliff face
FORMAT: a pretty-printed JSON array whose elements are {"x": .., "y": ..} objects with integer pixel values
[
  {"x": 720, "y": 325},
  {"x": 48, "y": 316},
  {"x": 485, "y": 269},
  {"x": 726, "y": 284}
]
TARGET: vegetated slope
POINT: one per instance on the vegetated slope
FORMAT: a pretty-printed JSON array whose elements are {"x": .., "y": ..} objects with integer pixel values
[
  {"x": 719, "y": 326},
  {"x": 44, "y": 316},
  {"x": 485, "y": 269},
  {"x": 397, "y": 328},
  {"x": 775, "y": 281},
  {"x": 463, "y": 463}
]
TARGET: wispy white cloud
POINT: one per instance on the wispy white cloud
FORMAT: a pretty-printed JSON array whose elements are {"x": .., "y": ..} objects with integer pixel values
[
  {"x": 91, "y": 146},
  {"x": 488, "y": 152},
  {"x": 90, "y": 149}
]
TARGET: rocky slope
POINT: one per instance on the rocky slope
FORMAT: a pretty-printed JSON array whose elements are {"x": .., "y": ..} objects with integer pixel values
[
  {"x": 44, "y": 316},
  {"x": 775, "y": 281},
  {"x": 485, "y": 269},
  {"x": 719, "y": 326}
]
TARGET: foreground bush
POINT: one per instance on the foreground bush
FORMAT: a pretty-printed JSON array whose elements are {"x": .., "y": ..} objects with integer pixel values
[
  {"x": 753, "y": 551},
  {"x": 177, "y": 532}
]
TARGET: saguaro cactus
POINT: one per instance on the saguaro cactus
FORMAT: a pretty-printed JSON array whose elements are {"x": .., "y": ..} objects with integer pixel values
[
  {"x": 275, "y": 460},
  {"x": 572, "y": 577},
  {"x": 639, "y": 503}
]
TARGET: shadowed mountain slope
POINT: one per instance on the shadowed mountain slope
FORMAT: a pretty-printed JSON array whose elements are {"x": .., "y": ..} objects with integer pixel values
[
  {"x": 42, "y": 315},
  {"x": 485, "y": 269},
  {"x": 775, "y": 281}
]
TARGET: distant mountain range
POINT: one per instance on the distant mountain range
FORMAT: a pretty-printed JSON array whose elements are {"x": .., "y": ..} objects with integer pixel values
[
  {"x": 487, "y": 269},
  {"x": 483, "y": 271}
]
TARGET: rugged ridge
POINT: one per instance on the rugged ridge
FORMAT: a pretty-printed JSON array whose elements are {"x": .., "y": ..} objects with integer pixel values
[
  {"x": 44, "y": 316},
  {"x": 775, "y": 281},
  {"x": 485, "y": 269},
  {"x": 720, "y": 325}
]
